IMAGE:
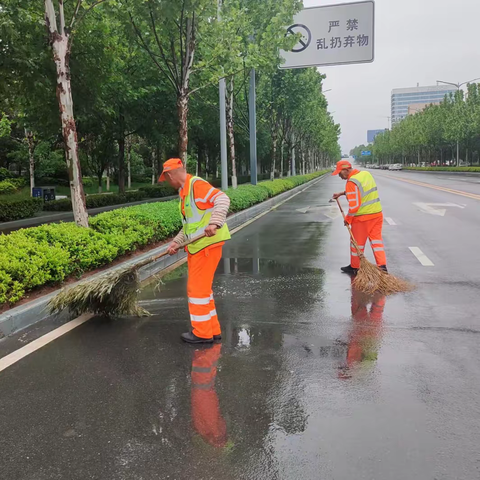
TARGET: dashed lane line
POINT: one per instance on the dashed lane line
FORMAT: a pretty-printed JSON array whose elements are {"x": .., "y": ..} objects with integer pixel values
[
  {"x": 421, "y": 257},
  {"x": 390, "y": 221}
]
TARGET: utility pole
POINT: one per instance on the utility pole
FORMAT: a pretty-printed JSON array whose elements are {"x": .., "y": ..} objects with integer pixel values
[
  {"x": 223, "y": 122},
  {"x": 252, "y": 104}
]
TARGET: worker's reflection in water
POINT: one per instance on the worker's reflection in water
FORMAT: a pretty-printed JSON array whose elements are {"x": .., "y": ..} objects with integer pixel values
[
  {"x": 365, "y": 334},
  {"x": 206, "y": 415}
]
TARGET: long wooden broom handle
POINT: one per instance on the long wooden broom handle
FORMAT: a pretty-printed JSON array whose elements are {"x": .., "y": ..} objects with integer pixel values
[
  {"x": 355, "y": 244},
  {"x": 164, "y": 254}
]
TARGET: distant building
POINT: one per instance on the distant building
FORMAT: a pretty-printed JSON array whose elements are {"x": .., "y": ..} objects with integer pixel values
[
  {"x": 371, "y": 134},
  {"x": 402, "y": 98},
  {"x": 419, "y": 107}
]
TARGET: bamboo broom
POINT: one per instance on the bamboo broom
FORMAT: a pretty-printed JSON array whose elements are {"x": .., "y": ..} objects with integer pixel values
[
  {"x": 371, "y": 279},
  {"x": 114, "y": 293}
]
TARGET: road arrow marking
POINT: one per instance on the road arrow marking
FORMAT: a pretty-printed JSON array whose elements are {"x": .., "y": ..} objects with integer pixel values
[{"x": 436, "y": 208}]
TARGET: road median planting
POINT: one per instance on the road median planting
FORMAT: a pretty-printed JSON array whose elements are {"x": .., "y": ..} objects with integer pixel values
[{"x": 49, "y": 254}]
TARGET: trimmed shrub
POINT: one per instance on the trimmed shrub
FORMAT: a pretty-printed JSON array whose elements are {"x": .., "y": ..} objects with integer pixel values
[
  {"x": 62, "y": 205},
  {"x": 7, "y": 187},
  {"x": 86, "y": 248},
  {"x": 16, "y": 208},
  {"x": 158, "y": 191},
  {"x": 96, "y": 201}
]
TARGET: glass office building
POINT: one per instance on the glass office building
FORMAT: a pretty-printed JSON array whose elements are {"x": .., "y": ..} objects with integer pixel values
[{"x": 402, "y": 98}]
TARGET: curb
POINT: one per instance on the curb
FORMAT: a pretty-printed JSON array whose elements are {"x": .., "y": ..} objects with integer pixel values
[{"x": 33, "y": 312}]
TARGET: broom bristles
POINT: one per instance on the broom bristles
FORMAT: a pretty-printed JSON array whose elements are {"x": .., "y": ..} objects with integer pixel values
[
  {"x": 371, "y": 279},
  {"x": 114, "y": 294}
]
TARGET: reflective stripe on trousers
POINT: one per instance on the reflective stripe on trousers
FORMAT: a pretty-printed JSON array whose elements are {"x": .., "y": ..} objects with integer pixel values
[
  {"x": 368, "y": 230},
  {"x": 201, "y": 270}
]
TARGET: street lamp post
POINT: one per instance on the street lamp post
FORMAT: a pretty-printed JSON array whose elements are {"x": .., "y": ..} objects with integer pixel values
[
  {"x": 458, "y": 87},
  {"x": 223, "y": 121}
]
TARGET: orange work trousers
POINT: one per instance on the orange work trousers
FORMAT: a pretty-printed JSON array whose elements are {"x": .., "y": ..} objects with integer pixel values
[
  {"x": 368, "y": 230},
  {"x": 206, "y": 415},
  {"x": 201, "y": 270}
]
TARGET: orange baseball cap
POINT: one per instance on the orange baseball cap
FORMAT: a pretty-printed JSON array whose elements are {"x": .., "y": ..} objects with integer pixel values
[
  {"x": 342, "y": 165},
  {"x": 169, "y": 165}
]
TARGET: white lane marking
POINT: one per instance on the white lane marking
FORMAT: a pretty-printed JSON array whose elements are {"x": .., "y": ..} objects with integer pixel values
[
  {"x": 32, "y": 347},
  {"x": 432, "y": 208},
  {"x": 421, "y": 257},
  {"x": 390, "y": 221}
]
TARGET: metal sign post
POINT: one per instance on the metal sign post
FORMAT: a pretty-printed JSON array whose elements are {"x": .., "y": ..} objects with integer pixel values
[
  {"x": 252, "y": 106},
  {"x": 332, "y": 35}
]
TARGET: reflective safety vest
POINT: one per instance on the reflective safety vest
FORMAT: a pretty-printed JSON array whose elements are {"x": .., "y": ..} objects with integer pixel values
[
  {"x": 195, "y": 221},
  {"x": 369, "y": 199}
]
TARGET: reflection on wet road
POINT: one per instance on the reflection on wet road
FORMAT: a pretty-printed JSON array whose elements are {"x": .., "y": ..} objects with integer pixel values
[{"x": 311, "y": 381}]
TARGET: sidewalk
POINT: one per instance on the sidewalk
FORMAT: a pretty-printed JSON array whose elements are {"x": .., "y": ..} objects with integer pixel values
[{"x": 48, "y": 217}]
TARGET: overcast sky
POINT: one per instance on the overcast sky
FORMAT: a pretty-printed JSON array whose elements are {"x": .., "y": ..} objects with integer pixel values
[{"x": 417, "y": 41}]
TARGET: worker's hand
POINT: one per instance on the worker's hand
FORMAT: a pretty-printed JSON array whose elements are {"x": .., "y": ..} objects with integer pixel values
[
  {"x": 211, "y": 231},
  {"x": 173, "y": 248},
  {"x": 346, "y": 223},
  {"x": 338, "y": 195}
]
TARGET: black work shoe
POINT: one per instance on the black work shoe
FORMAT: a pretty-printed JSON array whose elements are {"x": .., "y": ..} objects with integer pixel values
[
  {"x": 217, "y": 338},
  {"x": 349, "y": 270},
  {"x": 191, "y": 338},
  {"x": 384, "y": 268}
]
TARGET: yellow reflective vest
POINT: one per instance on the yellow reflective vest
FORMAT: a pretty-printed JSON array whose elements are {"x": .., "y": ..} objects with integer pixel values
[
  {"x": 367, "y": 196},
  {"x": 195, "y": 221}
]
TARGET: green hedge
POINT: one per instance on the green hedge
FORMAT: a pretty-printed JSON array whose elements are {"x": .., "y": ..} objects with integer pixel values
[
  {"x": 108, "y": 199},
  {"x": 96, "y": 201},
  {"x": 49, "y": 254},
  {"x": 16, "y": 208},
  {"x": 444, "y": 169},
  {"x": 158, "y": 191}
]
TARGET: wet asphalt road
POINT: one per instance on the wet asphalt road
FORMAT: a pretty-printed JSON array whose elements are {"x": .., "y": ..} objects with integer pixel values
[{"x": 311, "y": 381}]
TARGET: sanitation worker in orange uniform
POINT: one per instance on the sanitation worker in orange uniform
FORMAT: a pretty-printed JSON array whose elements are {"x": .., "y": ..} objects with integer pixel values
[
  {"x": 203, "y": 209},
  {"x": 365, "y": 214}
]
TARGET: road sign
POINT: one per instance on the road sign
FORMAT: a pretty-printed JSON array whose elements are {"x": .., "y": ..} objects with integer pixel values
[
  {"x": 366, "y": 153},
  {"x": 354, "y": 157},
  {"x": 332, "y": 35}
]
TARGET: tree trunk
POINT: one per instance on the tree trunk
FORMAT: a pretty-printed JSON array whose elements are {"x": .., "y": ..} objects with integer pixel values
[
  {"x": 61, "y": 51},
  {"x": 108, "y": 179},
  {"x": 121, "y": 154},
  {"x": 281, "y": 159},
  {"x": 274, "y": 153},
  {"x": 231, "y": 132},
  {"x": 129, "y": 165},
  {"x": 31, "y": 158},
  {"x": 100, "y": 181},
  {"x": 154, "y": 154},
  {"x": 182, "y": 111}
]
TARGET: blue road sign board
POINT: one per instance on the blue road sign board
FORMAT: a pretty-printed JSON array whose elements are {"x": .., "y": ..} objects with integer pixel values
[{"x": 366, "y": 153}]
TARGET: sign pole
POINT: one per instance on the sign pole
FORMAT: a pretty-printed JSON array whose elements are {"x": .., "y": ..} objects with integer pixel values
[
  {"x": 223, "y": 122},
  {"x": 253, "y": 128}
]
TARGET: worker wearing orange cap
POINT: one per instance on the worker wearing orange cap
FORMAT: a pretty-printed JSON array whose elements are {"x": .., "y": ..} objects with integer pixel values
[
  {"x": 365, "y": 214},
  {"x": 203, "y": 209}
]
